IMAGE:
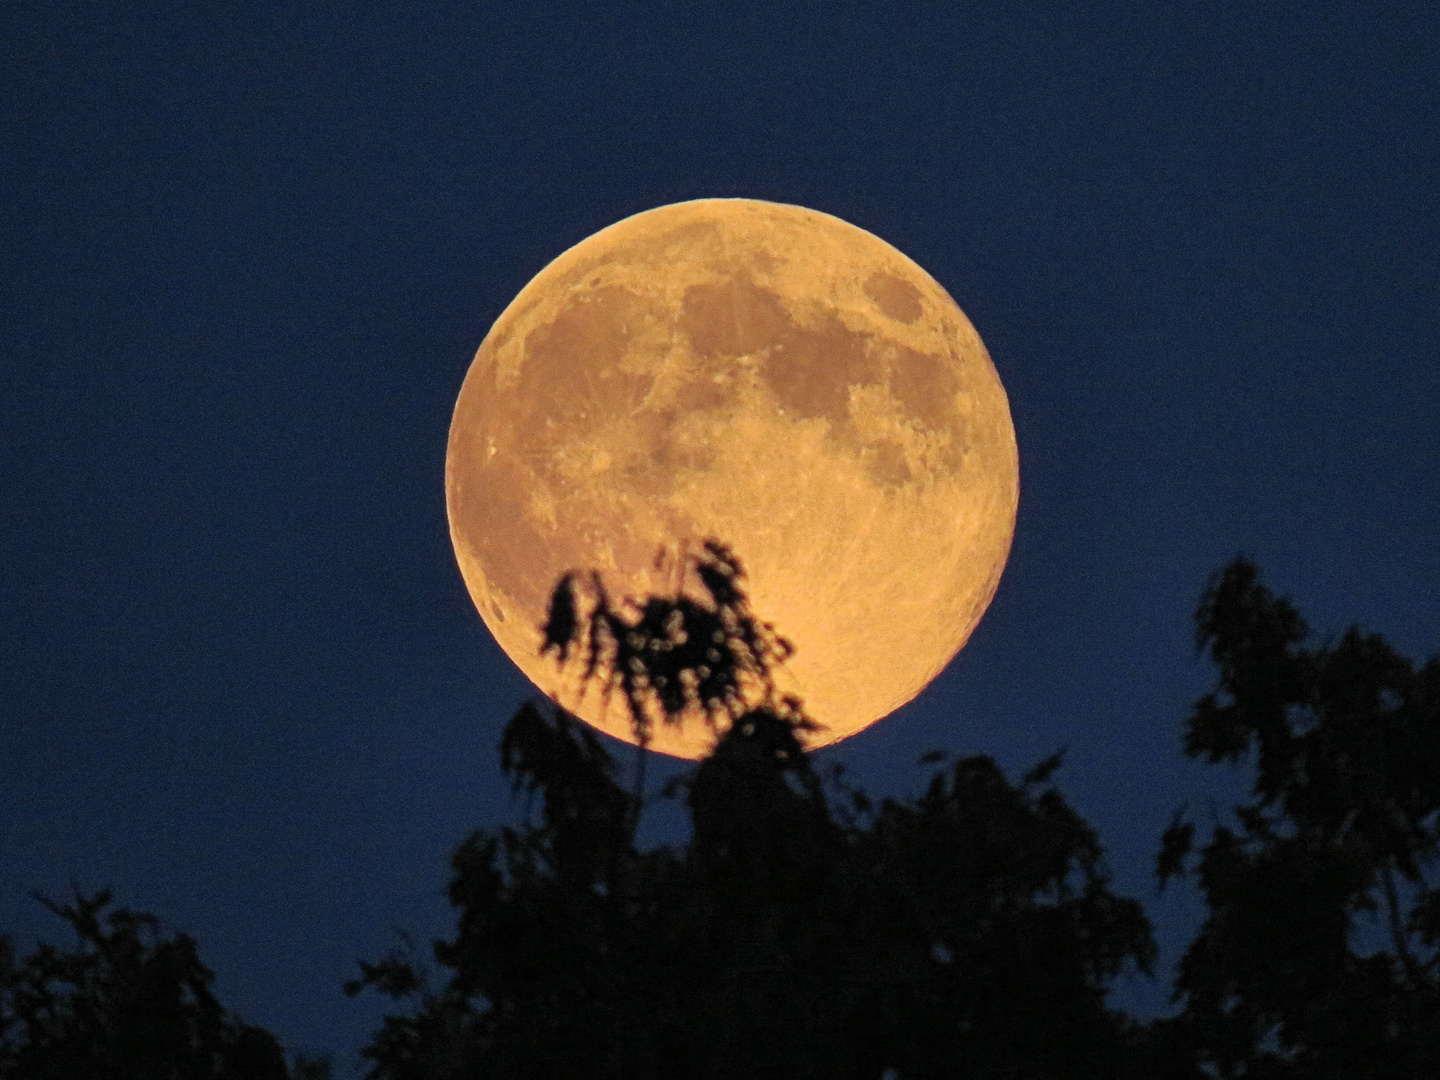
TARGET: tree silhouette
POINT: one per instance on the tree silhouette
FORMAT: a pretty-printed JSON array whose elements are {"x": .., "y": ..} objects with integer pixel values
[
  {"x": 1338, "y": 837},
  {"x": 126, "y": 1004},
  {"x": 802, "y": 931},
  {"x": 674, "y": 656}
]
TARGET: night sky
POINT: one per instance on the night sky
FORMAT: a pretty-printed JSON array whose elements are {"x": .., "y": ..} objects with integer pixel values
[{"x": 248, "y": 256}]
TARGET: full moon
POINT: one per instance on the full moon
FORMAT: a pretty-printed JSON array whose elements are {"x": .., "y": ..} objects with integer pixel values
[{"x": 760, "y": 373}]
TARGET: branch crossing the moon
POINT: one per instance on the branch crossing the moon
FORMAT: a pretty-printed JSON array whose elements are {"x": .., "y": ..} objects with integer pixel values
[{"x": 676, "y": 656}]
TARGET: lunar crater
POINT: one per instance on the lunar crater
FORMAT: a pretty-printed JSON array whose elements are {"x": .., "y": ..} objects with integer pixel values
[{"x": 897, "y": 298}]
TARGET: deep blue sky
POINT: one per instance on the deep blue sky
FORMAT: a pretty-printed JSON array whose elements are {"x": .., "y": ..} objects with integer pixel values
[{"x": 247, "y": 256}]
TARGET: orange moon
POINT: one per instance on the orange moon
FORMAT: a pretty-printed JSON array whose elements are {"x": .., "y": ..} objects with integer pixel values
[{"x": 764, "y": 374}]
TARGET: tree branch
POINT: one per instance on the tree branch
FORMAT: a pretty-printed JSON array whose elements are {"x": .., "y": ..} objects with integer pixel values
[{"x": 1397, "y": 926}]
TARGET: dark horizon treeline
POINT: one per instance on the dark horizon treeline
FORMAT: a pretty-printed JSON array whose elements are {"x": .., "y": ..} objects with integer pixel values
[{"x": 807, "y": 930}]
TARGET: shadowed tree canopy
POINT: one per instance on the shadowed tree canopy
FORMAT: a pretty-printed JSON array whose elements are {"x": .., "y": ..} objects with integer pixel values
[
  {"x": 126, "y": 1004},
  {"x": 1319, "y": 954},
  {"x": 803, "y": 931},
  {"x": 673, "y": 657}
]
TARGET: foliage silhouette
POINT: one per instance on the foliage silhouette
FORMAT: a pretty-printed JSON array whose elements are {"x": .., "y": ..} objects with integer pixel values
[
  {"x": 126, "y": 1004},
  {"x": 802, "y": 931},
  {"x": 677, "y": 655},
  {"x": 1338, "y": 838},
  {"x": 805, "y": 930}
]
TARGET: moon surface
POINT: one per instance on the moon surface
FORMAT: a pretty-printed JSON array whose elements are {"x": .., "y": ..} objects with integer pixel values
[{"x": 764, "y": 374}]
